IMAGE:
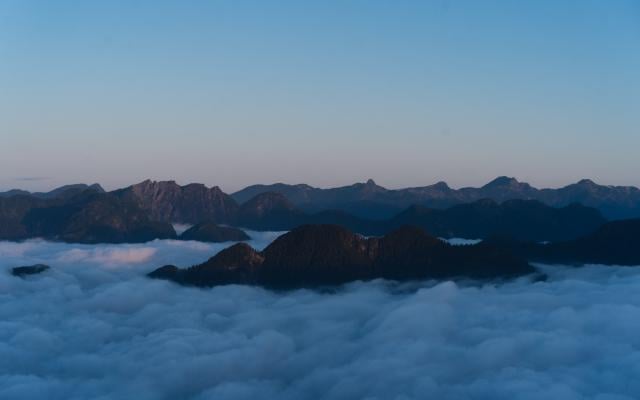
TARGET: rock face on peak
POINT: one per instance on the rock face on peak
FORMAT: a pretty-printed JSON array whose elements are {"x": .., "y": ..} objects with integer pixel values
[
  {"x": 94, "y": 218},
  {"x": 315, "y": 255},
  {"x": 169, "y": 202},
  {"x": 210, "y": 232}
]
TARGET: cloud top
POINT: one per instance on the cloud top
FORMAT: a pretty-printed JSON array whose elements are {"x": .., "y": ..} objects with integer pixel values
[{"x": 95, "y": 327}]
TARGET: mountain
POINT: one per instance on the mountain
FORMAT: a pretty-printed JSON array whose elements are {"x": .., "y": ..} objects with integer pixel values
[
  {"x": 615, "y": 243},
  {"x": 269, "y": 211},
  {"x": 13, "y": 209},
  {"x": 210, "y": 232},
  {"x": 526, "y": 220},
  {"x": 360, "y": 199},
  {"x": 66, "y": 191},
  {"x": 14, "y": 192},
  {"x": 314, "y": 255},
  {"x": 369, "y": 200},
  {"x": 94, "y": 218},
  {"x": 191, "y": 204}
]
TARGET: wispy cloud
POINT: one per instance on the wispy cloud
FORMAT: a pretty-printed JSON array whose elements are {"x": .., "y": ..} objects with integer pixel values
[{"x": 32, "y": 178}]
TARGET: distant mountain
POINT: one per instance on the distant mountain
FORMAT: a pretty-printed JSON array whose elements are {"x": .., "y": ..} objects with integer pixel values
[
  {"x": 614, "y": 243},
  {"x": 504, "y": 206},
  {"x": 528, "y": 220},
  {"x": 370, "y": 200},
  {"x": 94, "y": 218},
  {"x": 66, "y": 191},
  {"x": 520, "y": 219},
  {"x": 15, "y": 192},
  {"x": 314, "y": 255},
  {"x": 211, "y": 232},
  {"x": 269, "y": 211},
  {"x": 13, "y": 209},
  {"x": 169, "y": 202}
]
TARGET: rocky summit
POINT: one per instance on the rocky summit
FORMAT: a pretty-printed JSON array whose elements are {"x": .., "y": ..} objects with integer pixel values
[{"x": 191, "y": 204}]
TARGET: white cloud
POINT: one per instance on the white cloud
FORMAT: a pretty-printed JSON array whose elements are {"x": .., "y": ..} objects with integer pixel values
[
  {"x": 108, "y": 256},
  {"x": 461, "y": 242},
  {"x": 95, "y": 327}
]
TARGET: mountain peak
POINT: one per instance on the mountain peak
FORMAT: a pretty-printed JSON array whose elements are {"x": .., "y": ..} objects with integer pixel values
[
  {"x": 371, "y": 182},
  {"x": 442, "y": 185},
  {"x": 586, "y": 182},
  {"x": 502, "y": 181}
]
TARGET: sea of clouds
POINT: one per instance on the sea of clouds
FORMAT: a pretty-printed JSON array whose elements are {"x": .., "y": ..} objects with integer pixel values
[{"x": 94, "y": 327}]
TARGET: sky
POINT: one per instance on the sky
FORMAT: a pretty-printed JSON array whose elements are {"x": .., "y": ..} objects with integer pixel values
[{"x": 232, "y": 93}]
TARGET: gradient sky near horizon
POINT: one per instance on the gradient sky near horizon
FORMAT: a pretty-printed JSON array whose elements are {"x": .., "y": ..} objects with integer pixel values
[{"x": 232, "y": 93}]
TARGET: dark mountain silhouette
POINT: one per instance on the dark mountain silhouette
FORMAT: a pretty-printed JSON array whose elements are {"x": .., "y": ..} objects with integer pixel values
[
  {"x": 13, "y": 209},
  {"x": 269, "y": 211},
  {"x": 15, "y": 192},
  {"x": 169, "y": 202},
  {"x": 237, "y": 264},
  {"x": 372, "y": 201},
  {"x": 66, "y": 191},
  {"x": 314, "y": 255},
  {"x": 441, "y": 210},
  {"x": 210, "y": 232},
  {"x": 521, "y": 219},
  {"x": 615, "y": 243},
  {"x": 69, "y": 191},
  {"x": 94, "y": 218}
]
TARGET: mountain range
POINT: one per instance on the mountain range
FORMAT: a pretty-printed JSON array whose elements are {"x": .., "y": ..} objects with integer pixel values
[
  {"x": 370, "y": 200},
  {"x": 506, "y": 207}
]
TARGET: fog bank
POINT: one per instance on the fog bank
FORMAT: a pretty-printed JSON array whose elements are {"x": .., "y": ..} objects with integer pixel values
[{"x": 95, "y": 327}]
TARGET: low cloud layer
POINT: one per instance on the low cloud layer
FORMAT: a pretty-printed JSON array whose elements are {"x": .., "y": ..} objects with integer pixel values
[{"x": 95, "y": 328}]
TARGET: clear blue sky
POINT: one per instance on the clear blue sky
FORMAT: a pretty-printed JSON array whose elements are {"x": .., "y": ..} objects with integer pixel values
[{"x": 328, "y": 92}]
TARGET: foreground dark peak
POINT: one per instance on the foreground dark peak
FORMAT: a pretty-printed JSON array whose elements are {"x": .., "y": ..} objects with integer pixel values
[{"x": 314, "y": 255}]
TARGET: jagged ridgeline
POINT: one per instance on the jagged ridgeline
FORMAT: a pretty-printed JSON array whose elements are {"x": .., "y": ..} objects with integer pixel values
[{"x": 504, "y": 207}]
